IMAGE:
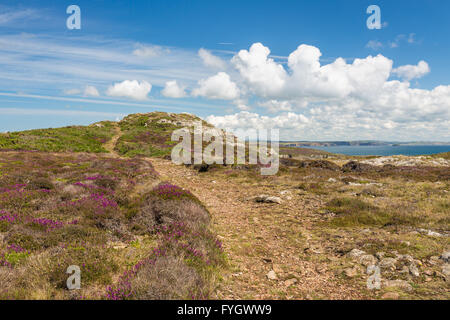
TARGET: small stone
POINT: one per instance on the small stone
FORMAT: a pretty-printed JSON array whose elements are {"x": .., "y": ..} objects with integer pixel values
[
  {"x": 446, "y": 271},
  {"x": 404, "y": 269},
  {"x": 433, "y": 260},
  {"x": 388, "y": 263},
  {"x": 272, "y": 275},
  {"x": 414, "y": 270},
  {"x": 350, "y": 272},
  {"x": 367, "y": 260},
  {"x": 355, "y": 253},
  {"x": 267, "y": 199},
  {"x": 380, "y": 255},
  {"x": 407, "y": 258},
  {"x": 430, "y": 233},
  {"x": 273, "y": 200},
  {"x": 332, "y": 180},
  {"x": 446, "y": 256},
  {"x": 290, "y": 282},
  {"x": 400, "y": 284},
  {"x": 390, "y": 296}
]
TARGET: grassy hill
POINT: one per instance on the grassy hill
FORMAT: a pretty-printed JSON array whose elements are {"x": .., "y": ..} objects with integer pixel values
[{"x": 68, "y": 139}]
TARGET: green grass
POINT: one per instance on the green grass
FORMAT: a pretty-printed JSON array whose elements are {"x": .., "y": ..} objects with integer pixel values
[
  {"x": 354, "y": 212},
  {"x": 67, "y": 139},
  {"x": 143, "y": 135}
]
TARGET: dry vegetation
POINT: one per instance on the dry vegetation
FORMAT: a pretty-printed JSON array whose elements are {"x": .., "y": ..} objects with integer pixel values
[
  {"x": 80, "y": 209},
  {"x": 144, "y": 228}
]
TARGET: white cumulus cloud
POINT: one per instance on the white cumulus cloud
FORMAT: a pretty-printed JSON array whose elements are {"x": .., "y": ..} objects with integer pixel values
[
  {"x": 173, "y": 90},
  {"x": 248, "y": 120},
  {"x": 211, "y": 60},
  {"x": 219, "y": 86},
  {"x": 409, "y": 72},
  {"x": 339, "y": 100},
  {"x": 130, "y": 89}
]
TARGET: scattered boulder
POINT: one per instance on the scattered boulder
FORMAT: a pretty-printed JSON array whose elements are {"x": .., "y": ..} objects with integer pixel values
[
  {"x": 271, "y": 275},
  {"x": 350, "y": 272},
  {"x": 404, "y": 270},
  {"x": 430, "y": 233},
  {"x": 405, "y": 258},
  {"x": 446, "y": 256},
  {"x": 388, "y": 264},
  {"x": 354, "y": 166},
  {"x": 290, "y": 282},
  {"x": 413, "y": 270},
  {"x": 362, "y": 257},
  {"x": 380, "y": 255},
  {"x": 367, "y": 260},
  {"x": 267, "y": 199},
  {"x": 355, "y": 253},
  {"x": 323, "y": 164}
]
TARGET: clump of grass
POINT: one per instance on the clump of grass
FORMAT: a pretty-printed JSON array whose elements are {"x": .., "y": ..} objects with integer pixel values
[
  {"x": 352, "y": 212},
  {"x": 313, "y": 187}
]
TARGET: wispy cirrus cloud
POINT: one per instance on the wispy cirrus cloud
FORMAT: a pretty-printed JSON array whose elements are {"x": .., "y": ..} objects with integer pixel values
[{"x": 12, "y": 15}]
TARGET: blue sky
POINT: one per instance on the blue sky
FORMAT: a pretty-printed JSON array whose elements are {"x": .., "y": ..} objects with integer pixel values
[{"x": 128, "y": 52}]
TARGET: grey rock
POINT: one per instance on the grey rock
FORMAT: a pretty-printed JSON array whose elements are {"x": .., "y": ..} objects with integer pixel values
[
  {"x": 430, "y": 233},
  {"x": 367, "y": 260},
  {"x": 446, "y": 271},
  {"x": 404, "y": 269},
  {"x": 406, "y": 258},
  {"x": 267, "y": 199},
  {"x": 380, "y": 255},
  {"x": 388, "y": 263},
  {"x": 355, "y": 253},
  {"x": 272, "y": 275},
  {"x": 446, "y": 256},
  {"x": 350, "y": 272},
  {"x": 290, "y": 282},
  {"x": 414, "y": 270}
]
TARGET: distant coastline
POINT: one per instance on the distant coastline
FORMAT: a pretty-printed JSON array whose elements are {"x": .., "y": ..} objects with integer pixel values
[
  {"x": 360, "y": 143},
  {"x": 384, "y": 150}
]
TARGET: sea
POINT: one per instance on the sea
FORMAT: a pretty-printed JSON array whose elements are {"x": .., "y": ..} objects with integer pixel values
[{"x": 385, "y": 150}]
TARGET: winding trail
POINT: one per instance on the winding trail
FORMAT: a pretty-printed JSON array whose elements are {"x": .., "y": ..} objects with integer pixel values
[
  {"x": 259, "y": 237},
  {"x": 111, "y": 144}
]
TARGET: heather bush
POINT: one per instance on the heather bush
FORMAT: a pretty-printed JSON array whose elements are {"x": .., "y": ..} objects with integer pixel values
[
  {"x": 167, "y": 279},
  {"x": 97, "y": 266},
  {"x": 167, "y": 204},
  {"x": 40, "y": 183}
]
